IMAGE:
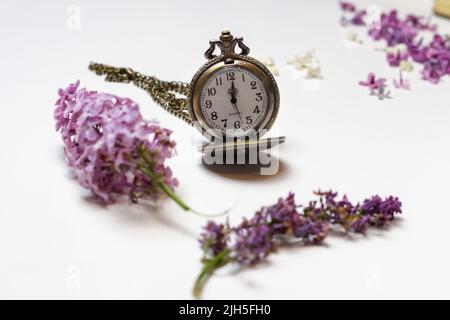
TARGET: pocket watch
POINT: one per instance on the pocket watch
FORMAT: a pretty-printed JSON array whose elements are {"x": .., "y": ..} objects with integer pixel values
[{"x": 231, "y": 95}]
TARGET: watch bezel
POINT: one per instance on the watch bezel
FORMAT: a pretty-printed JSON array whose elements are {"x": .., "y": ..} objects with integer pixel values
[{"x": 252, "y": 65}]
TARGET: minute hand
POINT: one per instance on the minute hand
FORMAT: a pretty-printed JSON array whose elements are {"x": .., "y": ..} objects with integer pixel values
[{"x": 239, "y": 114}]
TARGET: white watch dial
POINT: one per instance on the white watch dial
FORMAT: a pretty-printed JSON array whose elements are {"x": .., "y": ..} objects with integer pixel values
[{"x": 233, "y": 100}]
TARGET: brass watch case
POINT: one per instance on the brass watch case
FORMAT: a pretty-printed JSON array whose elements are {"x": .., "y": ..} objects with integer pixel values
[{"x": 229, "y": 58}]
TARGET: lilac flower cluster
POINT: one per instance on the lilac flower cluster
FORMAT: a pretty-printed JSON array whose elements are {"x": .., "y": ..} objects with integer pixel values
[
  {"x": 112, "y": 150},
  {"x": 396, "y": 57},
  {"x": 254, "y": 239},
  {"x": 434, "y": 56}
]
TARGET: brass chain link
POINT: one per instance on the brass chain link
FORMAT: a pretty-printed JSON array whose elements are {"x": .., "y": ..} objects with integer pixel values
[{"x": 162, "y": 92}]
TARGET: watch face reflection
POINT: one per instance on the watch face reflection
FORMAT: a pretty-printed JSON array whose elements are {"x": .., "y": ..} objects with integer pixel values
[{"x": 233, "y": 100}]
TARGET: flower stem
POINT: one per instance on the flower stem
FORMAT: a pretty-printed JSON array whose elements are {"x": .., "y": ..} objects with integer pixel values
[
  {"x": 221, "y": 259},
  {"x": 164, "y": 187},
  {"x": 172, "y": 195},
  {"x": 146, "y": 167}
]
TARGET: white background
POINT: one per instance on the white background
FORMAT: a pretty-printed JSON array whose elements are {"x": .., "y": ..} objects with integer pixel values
[{"x": 54, "y": 243}]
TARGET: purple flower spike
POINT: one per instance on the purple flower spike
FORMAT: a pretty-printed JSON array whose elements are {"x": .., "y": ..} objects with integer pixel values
[
  {"x": 381, "y": 211},
  {"x": 254, "y": 239},
  {"x": 312, "y": 231},
  {"x": 279, "y": 216},
  {"x": 253, "y": 243},
  {"x": 214, "y": 239},
  {"x": 358, "y": 224}
]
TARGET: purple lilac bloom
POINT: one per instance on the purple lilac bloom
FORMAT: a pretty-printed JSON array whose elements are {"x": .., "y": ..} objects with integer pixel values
[
  {"x": 437, "y": 60},
  {"x": 417, "y": 23},
  {"x": 358, "y": 18},
  {"x": 393, "y": 30},
  {"x": 377, "y": 86},
  {"x": 104, "y": 137},
  {"x": 373, "y": 83},
  {"x": 395, "y": 58},
  {"x": 435, "y": 56},
  {"x": 417, "y": 51},
  {"x": 347, "y": 6}
]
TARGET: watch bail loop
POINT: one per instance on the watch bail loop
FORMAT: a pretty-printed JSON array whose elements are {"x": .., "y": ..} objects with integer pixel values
[{"x": 227, "y": 44}]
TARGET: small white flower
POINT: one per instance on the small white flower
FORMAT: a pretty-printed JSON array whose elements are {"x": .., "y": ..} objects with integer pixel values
[
  {"x": 308, "y": 62},
  {"x": 406, "y": 66}
]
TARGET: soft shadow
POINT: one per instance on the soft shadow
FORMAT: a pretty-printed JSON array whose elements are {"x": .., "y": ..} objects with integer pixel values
[
  {"x": 248, "y": 172},
  {"x": 143, "y": 213}
]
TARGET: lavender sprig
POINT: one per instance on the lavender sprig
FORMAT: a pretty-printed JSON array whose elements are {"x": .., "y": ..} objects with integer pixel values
[{"x": 253, "y": 240}]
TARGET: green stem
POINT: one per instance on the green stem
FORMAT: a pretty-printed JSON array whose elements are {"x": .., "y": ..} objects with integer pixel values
[
  {"x": 146, "y": 166},
  {"x": 173, "y": 196},
  {"x": 165, "y": 188},
  {"x": 208, "y": 269}
]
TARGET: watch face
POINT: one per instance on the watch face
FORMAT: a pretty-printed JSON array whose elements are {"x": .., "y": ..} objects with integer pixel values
[{"x": 233, "y": 100}]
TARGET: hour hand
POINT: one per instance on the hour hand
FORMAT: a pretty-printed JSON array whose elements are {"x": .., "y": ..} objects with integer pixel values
[{"x": 233, "y": 91}]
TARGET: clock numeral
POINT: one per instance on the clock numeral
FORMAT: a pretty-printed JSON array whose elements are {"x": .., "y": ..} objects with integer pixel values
[
  {"x": 219, "y": 81},
  {"x": 208, "y": 104},
  {"x": 224, "y": 122},
  {"x": 214, "y": 115},
  {"x": 248, "y": 119},
  {"x": 230, "y": 76},
  {"x": 256, "y": 110},
  {"x": 243, "y": 78},
  {"x": 253, "y": 84},
  {"x": 259, "y": 96},
  {"x": 211, "y": 92},
  {"x": 237, "y": 124}
]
